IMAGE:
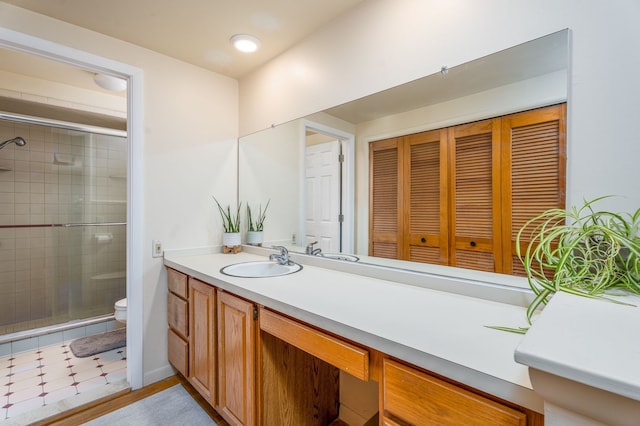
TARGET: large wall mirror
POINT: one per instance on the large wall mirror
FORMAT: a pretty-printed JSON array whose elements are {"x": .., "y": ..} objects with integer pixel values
[{"x": 313, "y": 197}]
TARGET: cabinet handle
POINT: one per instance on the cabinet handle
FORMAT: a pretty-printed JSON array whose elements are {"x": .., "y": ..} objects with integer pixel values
[
  {"x": 472, "y": 243},
  {"x": 423, "y": 240}
]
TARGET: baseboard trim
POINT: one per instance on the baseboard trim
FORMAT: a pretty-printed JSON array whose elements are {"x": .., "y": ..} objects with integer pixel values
[{"x": 158, "y": 374}]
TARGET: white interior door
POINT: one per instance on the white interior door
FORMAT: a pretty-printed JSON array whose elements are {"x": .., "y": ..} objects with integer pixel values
[{"x": 322, "y": 196}]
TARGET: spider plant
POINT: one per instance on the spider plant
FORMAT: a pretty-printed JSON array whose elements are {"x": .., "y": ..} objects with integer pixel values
[
  {"x": 258, "y": 225},
  {"x": 230, "y": 222},
  {"x": 580, "y": 251}
]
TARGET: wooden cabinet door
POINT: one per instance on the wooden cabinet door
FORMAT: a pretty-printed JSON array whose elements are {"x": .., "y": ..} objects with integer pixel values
[
  {"x": 474, "y": 153},
  {"x": 177, "y": 283},
  {"x": 425, "y": 186},
  {"x": 533, "y": 173},
  {"x": 202, "y": 338},
  {"x": 385, "y": 198},
  {"x": 236, "y": 359},
  {"x": 412, "y": 397},
  {"x": 178, "y": 352},
  {"x": 178, "y": 321},
  {"x": 178, "y": 315},
  {"x": 458, "y": 196}
]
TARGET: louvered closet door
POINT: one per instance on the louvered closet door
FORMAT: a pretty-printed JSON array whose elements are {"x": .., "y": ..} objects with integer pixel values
[
  {"x": 425, "y": 183},
  {"x": 385, "y": 198},
  {"x": 533, "y": 164},
  {"x": 476, "y": 190}
]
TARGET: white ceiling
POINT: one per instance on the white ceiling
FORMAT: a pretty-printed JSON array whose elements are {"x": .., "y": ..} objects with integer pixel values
[{"x": 198, "y": 31}]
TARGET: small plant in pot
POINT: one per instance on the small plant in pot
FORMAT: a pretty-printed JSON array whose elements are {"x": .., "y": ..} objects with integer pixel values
[
  {"x": 580, "y": 251},
  {"x": 256, "y": 225},
  {"x": 231, "y": 240}
]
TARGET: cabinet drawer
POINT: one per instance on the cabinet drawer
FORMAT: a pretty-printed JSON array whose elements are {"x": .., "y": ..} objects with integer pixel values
[
  {"x": 178, "y": 315},
  {"x": 411, "y": 396},
  {"x": 177, "y": 283},
  {"x": 179, "y": 353},
  {"x": 345, "y": 356}
]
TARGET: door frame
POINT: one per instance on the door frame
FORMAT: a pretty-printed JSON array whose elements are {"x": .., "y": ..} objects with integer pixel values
[
  {"x": 348, "y": 179},
  {"x": 135, "y": 134}
]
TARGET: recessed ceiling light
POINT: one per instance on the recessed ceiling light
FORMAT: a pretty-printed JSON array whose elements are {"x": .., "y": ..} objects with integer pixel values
[
  {"x": 245, "y": 42},
  {"x": 110, "y": 82}
]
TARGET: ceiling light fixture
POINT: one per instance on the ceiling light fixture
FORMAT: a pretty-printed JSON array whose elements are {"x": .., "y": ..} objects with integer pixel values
[
  {"x": 245, "y": 42},
  {"x": 109, "y": 82}
]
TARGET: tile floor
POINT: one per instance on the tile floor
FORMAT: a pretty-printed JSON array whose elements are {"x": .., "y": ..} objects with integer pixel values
[{"x": 35, "y": 378}]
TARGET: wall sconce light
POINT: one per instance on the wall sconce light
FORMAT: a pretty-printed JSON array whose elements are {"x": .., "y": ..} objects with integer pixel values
[
  {"x": 109, "y": 82},
  {"x": 245, "y": 42}
]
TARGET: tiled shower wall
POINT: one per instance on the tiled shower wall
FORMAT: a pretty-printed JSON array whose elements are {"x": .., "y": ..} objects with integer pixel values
[{"x": 54, "y": 274}]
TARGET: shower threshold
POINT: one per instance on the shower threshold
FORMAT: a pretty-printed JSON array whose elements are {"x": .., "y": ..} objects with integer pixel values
[{"x": 56, "y": 328}]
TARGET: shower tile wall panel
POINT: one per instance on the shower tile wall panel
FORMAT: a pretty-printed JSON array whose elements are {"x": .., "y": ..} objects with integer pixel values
[{"x": 52, "y": 275}]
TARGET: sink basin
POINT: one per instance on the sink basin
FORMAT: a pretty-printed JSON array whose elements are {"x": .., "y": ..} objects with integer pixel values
[
  {"x": 260, "y": 269},
  {"x": 341, "y": 256}
]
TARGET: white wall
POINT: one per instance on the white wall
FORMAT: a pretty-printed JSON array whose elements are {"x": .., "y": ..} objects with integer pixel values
[
  {"x": 382, "y": 43},
  {"x": 190, "y": 130}
]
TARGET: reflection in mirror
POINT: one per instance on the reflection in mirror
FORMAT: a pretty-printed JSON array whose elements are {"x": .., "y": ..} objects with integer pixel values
[
  {"x": 272, "y": 162},
  {"x": 305, "y": 167}
]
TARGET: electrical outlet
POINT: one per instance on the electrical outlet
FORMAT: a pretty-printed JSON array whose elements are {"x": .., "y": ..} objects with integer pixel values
[{"x": 156, "y": 249}]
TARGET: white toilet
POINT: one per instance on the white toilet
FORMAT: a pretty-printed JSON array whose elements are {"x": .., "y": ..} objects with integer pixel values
[{"x": 121, "y": 310}]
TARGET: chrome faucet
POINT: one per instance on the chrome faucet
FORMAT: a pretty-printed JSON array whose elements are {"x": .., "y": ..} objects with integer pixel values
[
  {"x": 283, "y": 257},
  {"x": 310, "y": 250}
]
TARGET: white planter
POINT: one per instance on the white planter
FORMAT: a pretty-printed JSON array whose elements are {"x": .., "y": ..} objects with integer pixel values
[
  {"x": 231, "y": 239},
  {"x": 255, "y": 238}
]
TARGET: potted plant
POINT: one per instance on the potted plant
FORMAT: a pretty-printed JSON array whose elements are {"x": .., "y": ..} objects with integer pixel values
[
  {"x": 231, "y": 240},
  {"x": 256, "y": 225},
  {"x": 580, "y": 251}
]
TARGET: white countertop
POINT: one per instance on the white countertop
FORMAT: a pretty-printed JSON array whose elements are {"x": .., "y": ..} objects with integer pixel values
[
  {"x": 439, "y": 331},
  {"x": 590, "y": 341}
]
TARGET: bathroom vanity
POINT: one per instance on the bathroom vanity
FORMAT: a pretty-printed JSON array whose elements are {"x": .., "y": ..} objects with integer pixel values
[{"x": 272, "y": 350}]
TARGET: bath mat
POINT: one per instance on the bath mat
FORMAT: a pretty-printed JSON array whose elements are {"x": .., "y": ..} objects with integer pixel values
[
  {"x": 91, "y": 345},
  {"x": 173, "y": 406}
]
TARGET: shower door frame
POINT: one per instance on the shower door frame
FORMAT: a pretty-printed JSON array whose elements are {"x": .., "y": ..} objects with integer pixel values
[{"x": 135, "y": 314}]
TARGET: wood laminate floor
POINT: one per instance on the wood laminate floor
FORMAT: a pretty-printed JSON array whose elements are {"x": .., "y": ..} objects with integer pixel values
[{"x": 111, "y": 403}]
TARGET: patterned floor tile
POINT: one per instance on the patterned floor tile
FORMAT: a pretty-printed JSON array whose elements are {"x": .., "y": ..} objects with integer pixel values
[
  {"x": 86, "y": 385},
  {"x": 58, "y": 394},
  {"x": 34, "y": 378},
  {"x": 25, "y": 405}
]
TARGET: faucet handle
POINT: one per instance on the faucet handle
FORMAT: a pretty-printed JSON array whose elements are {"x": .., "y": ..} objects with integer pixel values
[
  {"x": 309, "y": 249},
  {"x": 283, "y": 257}
]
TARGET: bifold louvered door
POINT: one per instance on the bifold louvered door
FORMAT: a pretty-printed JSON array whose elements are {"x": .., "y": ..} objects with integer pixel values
[
  {"x": 474, "y": 152},
  {"x": 533, "y": 173},
  {"x": 458, "y": 196},
  {"x": 385, "y": 202},
  {"x": 424, "y": 179}
]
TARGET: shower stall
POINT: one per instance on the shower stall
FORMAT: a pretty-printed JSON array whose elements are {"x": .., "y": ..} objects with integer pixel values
[{"x": 63, "y": 192}]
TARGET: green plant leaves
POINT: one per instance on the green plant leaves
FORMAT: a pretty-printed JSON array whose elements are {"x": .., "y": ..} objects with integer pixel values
[
  {"x": 258, "y": 224},
  {"x": 230, "y": 222},
  {"x": 580, "y": 251}
]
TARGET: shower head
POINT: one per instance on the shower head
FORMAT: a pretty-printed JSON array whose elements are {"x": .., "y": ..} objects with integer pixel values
[{"x": 17, "y": 140}]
